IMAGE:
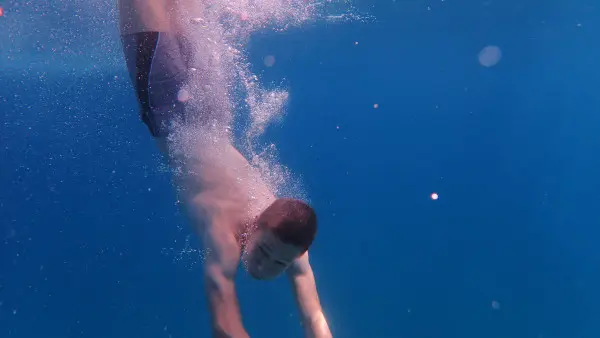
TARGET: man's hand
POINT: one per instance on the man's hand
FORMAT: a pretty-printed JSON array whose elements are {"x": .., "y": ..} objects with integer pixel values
[{"x": 307, "y": 298}]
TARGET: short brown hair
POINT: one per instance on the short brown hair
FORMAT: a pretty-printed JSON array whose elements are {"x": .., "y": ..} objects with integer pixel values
[{"x": 293, "y": 221}]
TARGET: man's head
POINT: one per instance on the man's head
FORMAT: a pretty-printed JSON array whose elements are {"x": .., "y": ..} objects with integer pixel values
[{"x": 283, "y": 232}]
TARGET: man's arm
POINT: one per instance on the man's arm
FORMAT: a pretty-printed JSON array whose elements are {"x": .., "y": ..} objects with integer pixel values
[
  {"x": 220, "y": 266},
  {"x": 215, "y": 203},
  {"x": 307, "y": 298}
]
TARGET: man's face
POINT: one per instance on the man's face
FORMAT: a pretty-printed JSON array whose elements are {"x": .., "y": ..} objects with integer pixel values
[{"x": 266, "y": 257}]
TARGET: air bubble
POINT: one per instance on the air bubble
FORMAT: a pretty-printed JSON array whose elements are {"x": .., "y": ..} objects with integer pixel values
[
  {"x": 489, "y": 56},
  {"x": 269, "y": 60}
]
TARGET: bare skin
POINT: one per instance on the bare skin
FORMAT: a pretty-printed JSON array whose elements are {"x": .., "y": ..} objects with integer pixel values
[
  {"x": 156, "y": 15},
  {"x": 223, "y": 195}
]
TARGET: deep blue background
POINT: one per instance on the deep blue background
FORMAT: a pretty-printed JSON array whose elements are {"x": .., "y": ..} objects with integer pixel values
[{"x": 90, "y": 232}]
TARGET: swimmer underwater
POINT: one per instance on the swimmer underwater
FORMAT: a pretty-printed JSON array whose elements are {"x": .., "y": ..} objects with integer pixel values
[{"x": 270, "y": 235}]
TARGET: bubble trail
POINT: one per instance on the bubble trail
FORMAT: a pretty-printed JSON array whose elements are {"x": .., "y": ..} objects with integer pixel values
[{"x": 225, "y": 85}]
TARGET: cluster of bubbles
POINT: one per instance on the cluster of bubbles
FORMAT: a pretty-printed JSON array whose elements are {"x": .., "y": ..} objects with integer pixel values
[
  {"x": 189, "y": 256},
  {"x": 224, "y": 86}
]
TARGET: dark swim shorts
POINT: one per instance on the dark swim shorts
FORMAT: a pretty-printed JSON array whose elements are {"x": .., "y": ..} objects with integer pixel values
[{"x": 159, "y": 65}]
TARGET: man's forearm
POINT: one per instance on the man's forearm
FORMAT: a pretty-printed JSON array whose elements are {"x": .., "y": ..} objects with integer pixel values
[
  {"x": 224, "y": 307},
  {"x": 316, "y": 326},
  {"x": 305, "y": 290}
]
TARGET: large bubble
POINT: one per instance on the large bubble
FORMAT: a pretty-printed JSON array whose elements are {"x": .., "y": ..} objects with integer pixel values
[{"x": 489, "y": 56}]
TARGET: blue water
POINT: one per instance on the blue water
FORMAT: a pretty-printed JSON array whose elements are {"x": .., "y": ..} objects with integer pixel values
[{"x": 91, "y": 236}]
